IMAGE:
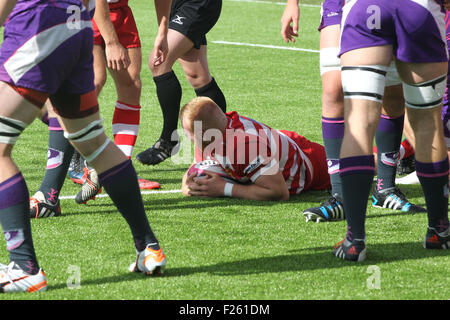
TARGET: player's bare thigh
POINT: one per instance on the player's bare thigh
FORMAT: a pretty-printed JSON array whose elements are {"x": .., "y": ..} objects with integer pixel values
[
  {"x": 380, "y": 55},
  {"x": 332, "y": 97},
  {"x": 178, "y": 44},
  {"x": 99, "y": 68},
  {"x": 14, "y": 107},
  {"x": 362, "y": 116},
  {"x": 329, "y": 36}
]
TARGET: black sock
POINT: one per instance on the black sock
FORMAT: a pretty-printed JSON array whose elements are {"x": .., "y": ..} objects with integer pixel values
[
  {"x": 59, "y": 154},
  {"x": 120, "y": 182},
  {"x": 212, "y": 91},
  {"x": 357, "y": 174},
  {"x": 388, "y": 138},
  {"x": 333, "y": 133},
  {"x": 15, "y": 221},
  {"x": 168, "y": 90},
  {"x": 434, "y": 180}
]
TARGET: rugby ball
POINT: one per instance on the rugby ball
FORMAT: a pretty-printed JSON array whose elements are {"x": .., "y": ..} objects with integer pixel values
[{"x": 211, "y": 166}]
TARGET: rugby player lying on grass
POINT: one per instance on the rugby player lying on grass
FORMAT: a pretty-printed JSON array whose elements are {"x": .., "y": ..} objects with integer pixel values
[{"x": 240, "y": 157}]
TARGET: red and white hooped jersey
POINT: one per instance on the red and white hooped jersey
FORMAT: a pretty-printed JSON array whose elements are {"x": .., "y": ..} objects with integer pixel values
[
  {"x": 251, "y": 149},
  {"x": 117, "y": 3}
]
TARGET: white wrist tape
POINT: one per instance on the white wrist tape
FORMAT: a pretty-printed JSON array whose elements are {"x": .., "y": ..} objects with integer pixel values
[{"x": 227, "y": 191}]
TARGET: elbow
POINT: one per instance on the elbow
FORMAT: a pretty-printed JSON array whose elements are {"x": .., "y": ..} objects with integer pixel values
[
  {"x": 284, "y": 196},
  {"x": 280, "y": 195}
]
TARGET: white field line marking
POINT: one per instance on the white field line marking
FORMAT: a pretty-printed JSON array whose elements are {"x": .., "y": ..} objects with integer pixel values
[
  {"x": 265, "y": 46},
  {"x": 277, "y": 3},
  {"x": 104, "y": 195}
]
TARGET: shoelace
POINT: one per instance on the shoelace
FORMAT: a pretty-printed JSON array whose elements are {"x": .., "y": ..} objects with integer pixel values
[
  {"x": 399, "y": 198},
  {"x": 333, "y": 202},
  {"x": 330, "y": 201},
  {"x": 6, "y": 270},
  {"x": 164, "y": 146},
  {"x": 399, "y": 194}
]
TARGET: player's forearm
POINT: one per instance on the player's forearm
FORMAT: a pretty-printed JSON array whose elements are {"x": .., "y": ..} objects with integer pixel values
[
  {"x": 255, "y": 192},
  {"x": 292, "y": 2},
  {"x": 6, "y": 7},
  {"x": 162, "y": 8},
  {"x": 103, "y": 21}
]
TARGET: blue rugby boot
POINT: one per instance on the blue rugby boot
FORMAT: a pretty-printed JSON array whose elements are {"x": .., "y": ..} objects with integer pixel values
[
  {"x": 393, "y": 198},
  {"x": 331, "y": 210}
]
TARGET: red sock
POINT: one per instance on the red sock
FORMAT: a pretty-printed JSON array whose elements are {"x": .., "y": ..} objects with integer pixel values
[{"x": 125, "y": 126}]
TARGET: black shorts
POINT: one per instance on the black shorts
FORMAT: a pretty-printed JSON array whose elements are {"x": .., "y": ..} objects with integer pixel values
[{"x": 194, "y": 18}]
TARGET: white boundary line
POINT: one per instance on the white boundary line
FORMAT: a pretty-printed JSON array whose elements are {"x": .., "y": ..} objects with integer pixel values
[
  {"x": 276, "y": 3},
  {"x": 269, "y": 46},
  {"x": 265, "y": 46},
  {"x": 104, "y": 195}
]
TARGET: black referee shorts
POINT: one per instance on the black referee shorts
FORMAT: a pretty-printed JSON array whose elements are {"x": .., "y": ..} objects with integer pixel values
[{"x": 194, "y": 18}]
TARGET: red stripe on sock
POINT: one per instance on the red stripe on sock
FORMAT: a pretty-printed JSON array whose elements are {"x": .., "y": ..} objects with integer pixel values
[
  {"x": 126, "y": 116},
  {"x": 125, "y": 139}
]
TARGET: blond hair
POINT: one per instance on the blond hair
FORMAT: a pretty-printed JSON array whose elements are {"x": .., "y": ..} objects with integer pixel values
[{"x": 201, "y": 109}]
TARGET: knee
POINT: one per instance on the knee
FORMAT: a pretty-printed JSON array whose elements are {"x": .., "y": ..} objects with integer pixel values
[
  {"x": 92, "y": 148},
  {"x": 393, "y": 101},
  {"x": 152, "y": 67},
  {"x": 333, "y": 99},
  {"x": 131, "y": 87},
  {"x": 424, "y": 123},
  {"x": 160, "y": 69}
]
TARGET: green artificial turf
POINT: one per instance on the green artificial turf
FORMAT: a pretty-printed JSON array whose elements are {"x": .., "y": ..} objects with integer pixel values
[{"x": 229, "y": 248}]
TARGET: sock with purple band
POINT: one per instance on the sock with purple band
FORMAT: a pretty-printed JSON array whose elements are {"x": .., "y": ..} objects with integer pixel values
[
  {"x": 357, "y": 174},
  {"x": 59, "y": 154},
  {"x": 388, "y": 138},
  {"x": 434, "y": 180},
  {"x": 121, "y": 183},
  {"x": 333, "y": 133},
  {"x": 15, "y": 221}
]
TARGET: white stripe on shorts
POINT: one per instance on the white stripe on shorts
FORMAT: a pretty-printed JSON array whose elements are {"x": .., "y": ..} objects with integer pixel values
[{"x": 39, "y": 47}]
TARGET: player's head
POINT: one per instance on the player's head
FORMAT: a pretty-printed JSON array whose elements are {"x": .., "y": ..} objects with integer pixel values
[{"x": 200, "y": 115}]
